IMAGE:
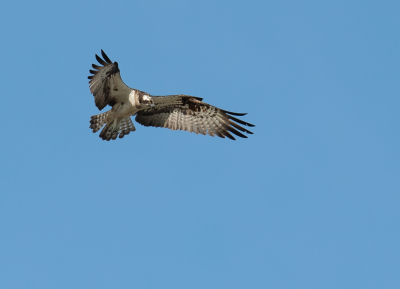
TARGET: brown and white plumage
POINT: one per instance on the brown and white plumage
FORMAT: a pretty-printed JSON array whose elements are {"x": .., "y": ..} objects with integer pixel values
[
  {"x": 189, "y": 113},
  {"x": 106, "y": 84},
  {"x": 176, "y": 112}
]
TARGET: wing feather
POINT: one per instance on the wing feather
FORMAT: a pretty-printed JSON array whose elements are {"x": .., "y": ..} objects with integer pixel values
[
  {"x": 218, "y": 127},
  {"x": 240, "y": 121},
  {"x": 188, "y": 113},
  {"x": 239, "y": 127},
  {"x": 106, "y": 57},
  {"x": 106, "y": 84},
  {"x": 101, "y": 61},
  {"x": 234, "y": 113}
]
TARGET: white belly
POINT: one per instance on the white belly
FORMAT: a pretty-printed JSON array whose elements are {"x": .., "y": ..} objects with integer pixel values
[{"x": 124, "y": 109}]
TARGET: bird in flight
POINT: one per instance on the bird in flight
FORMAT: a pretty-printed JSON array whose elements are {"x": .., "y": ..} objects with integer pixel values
[{"x": 176, "y": 112}]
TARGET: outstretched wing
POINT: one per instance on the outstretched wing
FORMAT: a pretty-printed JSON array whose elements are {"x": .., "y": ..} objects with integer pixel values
[
  {"x": 106, "y": 84},
  {"x": 189, "y": 113}
]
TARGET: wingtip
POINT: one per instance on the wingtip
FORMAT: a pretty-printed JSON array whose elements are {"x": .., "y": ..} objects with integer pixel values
[
  {"x": 105, "y": 57},
  {"x": 101, "y": 61},
  {"x": 234, "y": 113}
]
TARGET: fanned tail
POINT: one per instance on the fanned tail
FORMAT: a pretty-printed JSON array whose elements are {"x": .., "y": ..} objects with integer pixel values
[
  {"x": 121, "y": 128},
  {"x": 97, "y": 121}
]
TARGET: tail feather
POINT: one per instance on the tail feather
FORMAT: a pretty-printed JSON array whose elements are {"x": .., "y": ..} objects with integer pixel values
[
  {"x": 108, "y": 133},
  {"x": 126, "y": 126},
  {"x": 97, "y": 121},
  {"x": 111, "y": 131}
]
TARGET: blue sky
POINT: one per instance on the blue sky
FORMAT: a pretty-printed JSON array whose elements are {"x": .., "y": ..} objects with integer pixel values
[{"x": 311, "y": 200}]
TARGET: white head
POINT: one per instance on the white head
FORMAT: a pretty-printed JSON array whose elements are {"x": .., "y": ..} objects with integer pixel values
[{"x": 146, "y": 101}]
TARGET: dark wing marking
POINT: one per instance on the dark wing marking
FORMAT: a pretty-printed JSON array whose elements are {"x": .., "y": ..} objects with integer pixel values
[
  {"x": 188, "y": 113},
  {"x": 106, "y": 82}
]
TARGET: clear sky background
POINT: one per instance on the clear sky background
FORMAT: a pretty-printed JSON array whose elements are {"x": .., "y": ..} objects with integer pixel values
[{"x": 311, "y": 200}]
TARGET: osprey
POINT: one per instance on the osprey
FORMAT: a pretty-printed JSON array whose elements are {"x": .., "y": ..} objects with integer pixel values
[{"x": 176, "y": 112}]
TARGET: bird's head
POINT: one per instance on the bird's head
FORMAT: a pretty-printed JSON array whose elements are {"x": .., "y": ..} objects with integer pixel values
[{"x": 146, "y": 101}]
